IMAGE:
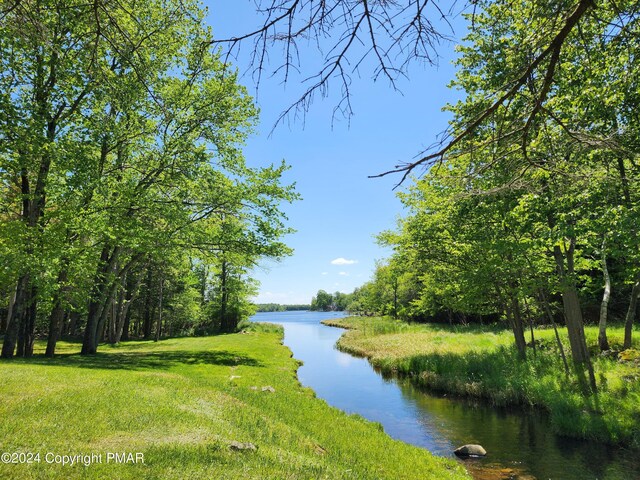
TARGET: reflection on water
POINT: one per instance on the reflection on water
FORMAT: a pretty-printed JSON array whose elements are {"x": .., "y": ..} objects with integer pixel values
[{"x": 520, "y": 444}]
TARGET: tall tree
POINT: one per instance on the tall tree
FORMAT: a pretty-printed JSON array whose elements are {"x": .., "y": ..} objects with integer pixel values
[{"x": 121, "y": 133}]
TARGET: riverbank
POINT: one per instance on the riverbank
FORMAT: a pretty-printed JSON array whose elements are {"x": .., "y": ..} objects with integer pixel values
[
  {"x": 228, "y": 406},
  {"x": 477, "y": 361}
]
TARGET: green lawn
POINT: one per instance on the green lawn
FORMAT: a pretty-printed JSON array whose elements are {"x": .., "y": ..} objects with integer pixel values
[
  {"x": 479, "y": 361},
  {"x": 181, "y": 403}
]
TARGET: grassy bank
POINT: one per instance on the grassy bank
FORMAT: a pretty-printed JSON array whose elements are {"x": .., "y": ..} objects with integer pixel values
[
  {"x": 182, "y": 403},
  {"x": 480, "y": 362}
]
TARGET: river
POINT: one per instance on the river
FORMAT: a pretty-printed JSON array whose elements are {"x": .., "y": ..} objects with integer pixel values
[{"x": 520, "y": 444}]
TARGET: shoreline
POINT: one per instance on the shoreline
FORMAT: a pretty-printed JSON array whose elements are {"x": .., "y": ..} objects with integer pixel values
[
  {"x": 229, "y": 405},
  {"x": 455, "y": 378}
]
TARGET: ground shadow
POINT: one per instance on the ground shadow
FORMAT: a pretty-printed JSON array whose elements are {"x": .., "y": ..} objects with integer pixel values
[{"x": 144, "y": 360}]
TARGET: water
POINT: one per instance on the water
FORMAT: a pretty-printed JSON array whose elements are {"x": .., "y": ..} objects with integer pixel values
[{"x": 520, "y": 444}]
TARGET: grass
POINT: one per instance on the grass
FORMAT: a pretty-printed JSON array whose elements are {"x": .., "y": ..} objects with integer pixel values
[
  {"x": 182, "y": 403},
  {"x": 479, "y": 361}
]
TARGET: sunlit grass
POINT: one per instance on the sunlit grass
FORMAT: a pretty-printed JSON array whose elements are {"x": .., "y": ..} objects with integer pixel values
[
  {"x": 479, "y": 361},
  {"x": 384, "y": 338},
  {"x": 182, "y": 402}
]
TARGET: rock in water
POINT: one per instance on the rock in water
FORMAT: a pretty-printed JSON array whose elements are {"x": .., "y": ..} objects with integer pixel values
[{"x": 470, "y": 451}]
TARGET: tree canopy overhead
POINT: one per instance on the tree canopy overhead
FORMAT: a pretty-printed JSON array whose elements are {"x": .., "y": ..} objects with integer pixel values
[{"x": 393, "y": 35}]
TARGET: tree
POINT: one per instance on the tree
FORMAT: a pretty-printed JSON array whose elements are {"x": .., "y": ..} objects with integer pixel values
[
  {"x": 389, "y": 36},
  {"x": 322, "y": 302},
  {"x": 341, "y": 301},
  {"x": 120, "y": 159}
]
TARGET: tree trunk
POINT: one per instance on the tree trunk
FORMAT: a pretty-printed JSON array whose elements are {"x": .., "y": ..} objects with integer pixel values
[
  {"x": 148, "y": 317},
  {"x": 225, "y": 324},
  {"x": 531, "y": 329},
  {"x": 107, "y": 308},
  {"x": 121, "y": 313},
  {"x": 547, "y": 309},
  {"x": 35, "y": 220},
  {"x": 116, "y": 322},
  {"x": 7, "y": 318},
  {"x": 16, "y": 323},
  {"x": 159, "y": 324},
  {"x": 16, "y": 320},
  {"x": 123, "y": 317},
  {"x": 55, "y": 323},
  {"x": 57, "y": 312},
  {"x": 96, "y": 302},
  {"x": 111, "y": 288},
  {"x": 514, "y": 316},
  {"x": 127, "y": 326},
  {"x": 110, "y": 326},
  {"x": 573, "y": 311},
  {"x": 21, "y": 326},
  {"x": 631, "y": 314},
  {"x": 603, "y": 343},
  {"x": 395, "y": 298},
  {"x": 33, "y": 209},
  {"x": 73, "y": 323},
  {"x": 30, "y": 335},
  {"x": 635, "y": 291},
  {"x": 103, "y": 294}
]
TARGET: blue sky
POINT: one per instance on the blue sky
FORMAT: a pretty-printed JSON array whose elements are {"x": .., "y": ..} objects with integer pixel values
[{"x": 342, "y": 210}]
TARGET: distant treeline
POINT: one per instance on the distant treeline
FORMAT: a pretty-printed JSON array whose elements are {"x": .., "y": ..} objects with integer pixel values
[
  {"x": 276, "y": 307},
  {"x": 327, "y": 302}
]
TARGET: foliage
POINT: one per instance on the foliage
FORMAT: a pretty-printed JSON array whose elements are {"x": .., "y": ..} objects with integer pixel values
[
  {"x": 125, "y": 195},
  {"x": 539, "y": 185},
  {"x": 478, "y": 361},
  {"x": 325, "y": 302}
]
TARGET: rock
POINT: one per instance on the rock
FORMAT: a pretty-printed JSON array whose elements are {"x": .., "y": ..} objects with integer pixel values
[
  {"x": 242, "y": 446},
  {"x": 268, "y": 389},
  {"x": 320, "y": 450},
  {"x": 470, "y": 451}
]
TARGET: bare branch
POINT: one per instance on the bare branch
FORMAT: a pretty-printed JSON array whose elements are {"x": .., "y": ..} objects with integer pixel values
[
  {"x": 552, "y": 52},
  {"x": 385, "y": 36}
]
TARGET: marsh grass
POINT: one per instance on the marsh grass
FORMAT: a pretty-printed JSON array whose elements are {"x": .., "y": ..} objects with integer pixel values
[
  {"x": 479, "y": 361},
  {"x": 181, "y": 402}
]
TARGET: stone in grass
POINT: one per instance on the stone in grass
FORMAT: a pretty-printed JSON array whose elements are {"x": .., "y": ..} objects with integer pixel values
[
  {"x": 268, "y": 389},
  {"x": 320, "y": 450},
  {"x": 470, "y": 451},
  {"x": 239, "y": 446}
]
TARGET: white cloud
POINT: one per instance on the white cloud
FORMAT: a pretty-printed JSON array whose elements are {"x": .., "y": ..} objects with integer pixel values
[
  {"x": 344, "y": 274},
  {"x": 343, "y": 261},
  {"x": 324, "y": 273}
]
